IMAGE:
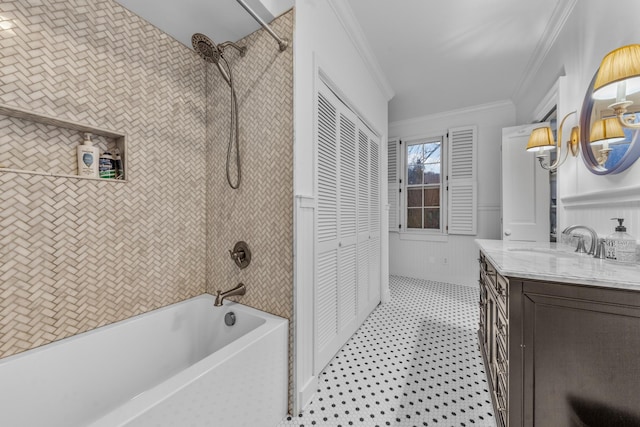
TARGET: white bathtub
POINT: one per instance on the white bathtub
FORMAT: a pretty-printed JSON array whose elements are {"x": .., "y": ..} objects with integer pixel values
[{"x": 176, "y": 366}]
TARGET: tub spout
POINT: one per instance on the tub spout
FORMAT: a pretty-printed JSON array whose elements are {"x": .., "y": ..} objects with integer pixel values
[{"x": 238, "y": 290}]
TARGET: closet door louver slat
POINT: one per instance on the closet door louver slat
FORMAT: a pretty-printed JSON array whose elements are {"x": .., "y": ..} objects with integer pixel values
[
  {"x": 327, "y": 170},
  {"x": 347, "y": 177},
  {"x": 374, "y": 179},
  {"x": 327, "y": 298}
]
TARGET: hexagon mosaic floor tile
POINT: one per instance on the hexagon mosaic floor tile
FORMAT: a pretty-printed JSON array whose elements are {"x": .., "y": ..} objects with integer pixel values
[{"x": 414, "y": 362}]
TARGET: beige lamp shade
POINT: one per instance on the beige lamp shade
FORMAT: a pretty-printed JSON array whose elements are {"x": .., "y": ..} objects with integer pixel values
[
  {"x": 541, "y": 139},
  {"x": 621, "y": 66},
  {"x": 606, "y": 130}
]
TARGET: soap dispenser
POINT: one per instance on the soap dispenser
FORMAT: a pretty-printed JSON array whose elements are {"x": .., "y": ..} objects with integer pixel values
[
  {"x": 620, "y": 246},
  {"x": 88, "y": 158}
]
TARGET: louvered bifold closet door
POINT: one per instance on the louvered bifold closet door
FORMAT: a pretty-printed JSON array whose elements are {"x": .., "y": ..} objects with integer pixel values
[
  {"x": 374, "y": 221},
  {"x": 462, "y": 200},
  {"x": 335, "y": 298},
  {"x": 347, "y": 301},
  {"x": 363, "y": 220},
  {"x": 326, "y": 280}
]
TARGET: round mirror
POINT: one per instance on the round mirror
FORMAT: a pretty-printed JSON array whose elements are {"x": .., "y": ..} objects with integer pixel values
[{"x": 606, "y": 146}]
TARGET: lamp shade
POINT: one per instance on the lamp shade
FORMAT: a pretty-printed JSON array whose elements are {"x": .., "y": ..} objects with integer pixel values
[
  {"x": 619, "y": 66},
  {"x": 541, "y": 139},
  {"x": 606, "y": 130}
]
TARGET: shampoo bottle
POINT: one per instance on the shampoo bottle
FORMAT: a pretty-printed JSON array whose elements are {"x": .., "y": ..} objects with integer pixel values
[
  {"x": 620, "y": 246},
  {"x": 88, "y": 158},
  {"x": 107, "y": 167}
]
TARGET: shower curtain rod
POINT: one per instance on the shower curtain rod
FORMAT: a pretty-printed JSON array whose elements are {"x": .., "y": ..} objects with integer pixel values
[{"x": 281, "y": 42}]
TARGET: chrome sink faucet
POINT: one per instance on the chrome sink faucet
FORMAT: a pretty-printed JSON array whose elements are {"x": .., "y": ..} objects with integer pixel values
[
  {"x": 238, "y": 290},
  {"x": 594, "y": 238}
]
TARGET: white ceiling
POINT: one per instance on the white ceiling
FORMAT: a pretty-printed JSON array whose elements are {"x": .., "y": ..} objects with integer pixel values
[
  {"x": 436, "y": 55},
  {"x": 450, "y": 54}
]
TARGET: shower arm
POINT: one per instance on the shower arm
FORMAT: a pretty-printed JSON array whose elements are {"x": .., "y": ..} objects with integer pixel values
[
  {"x": 241, "y": 49},
  {"x": 281, "y": 42}
]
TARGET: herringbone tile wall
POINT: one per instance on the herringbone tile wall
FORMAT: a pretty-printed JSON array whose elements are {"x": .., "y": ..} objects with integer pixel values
[
  {"x": 77, "y": 254},
  {"x": 260, "y": 212}
]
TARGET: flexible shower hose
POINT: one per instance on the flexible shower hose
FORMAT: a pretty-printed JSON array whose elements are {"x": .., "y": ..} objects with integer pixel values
[{"x": 233, "y": 132}]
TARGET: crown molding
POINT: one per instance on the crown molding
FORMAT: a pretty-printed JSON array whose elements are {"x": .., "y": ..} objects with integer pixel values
[
  {"x": 350, "y": 23},
  {"x": 555, "y": 25},
  {"x": 456, "y": 112}
]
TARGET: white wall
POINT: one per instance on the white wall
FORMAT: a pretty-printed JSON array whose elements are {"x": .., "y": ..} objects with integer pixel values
[
  {"x": 426, "y": 259},
  {"x": 593, "y": 29},
  {"x": 325, "y": 38}
]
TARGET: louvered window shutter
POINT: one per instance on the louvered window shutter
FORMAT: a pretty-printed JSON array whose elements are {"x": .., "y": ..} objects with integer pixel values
[
  {"x": 393, "y": 175},
  {"x": 462, "y": 182}
]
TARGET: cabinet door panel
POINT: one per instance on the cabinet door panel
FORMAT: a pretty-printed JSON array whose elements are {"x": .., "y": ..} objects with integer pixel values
[{"x": 582, "y": 364}]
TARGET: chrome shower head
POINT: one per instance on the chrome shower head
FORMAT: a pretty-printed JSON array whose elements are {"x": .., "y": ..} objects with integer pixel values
[
  {"x": 206, "y": 48},
  {"x": 210, "y": 52},
  {"x": 213, "y": 53}
]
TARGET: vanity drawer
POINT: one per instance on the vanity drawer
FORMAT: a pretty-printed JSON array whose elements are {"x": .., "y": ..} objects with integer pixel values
[
  {"x": 502, "y": 341},
  {"x": 502, "y": 290}
]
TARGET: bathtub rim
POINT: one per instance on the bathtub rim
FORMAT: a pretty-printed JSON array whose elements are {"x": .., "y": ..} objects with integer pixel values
[
  {"x": 130, "y": 409},
  {"x": 146, "y": 400},
  {"x": 138, "y": 317}
]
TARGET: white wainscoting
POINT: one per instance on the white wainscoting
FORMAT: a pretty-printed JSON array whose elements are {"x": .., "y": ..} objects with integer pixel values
[
  {"x": 304, "y": 379},
  {"x": 453, "y": 260},
  {"x": 596, "y": 209}
]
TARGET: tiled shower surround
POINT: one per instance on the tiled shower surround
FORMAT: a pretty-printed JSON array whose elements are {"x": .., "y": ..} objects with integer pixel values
[
  {"x": 77, "y": 254},
  {"x": 260, "y": 212}
]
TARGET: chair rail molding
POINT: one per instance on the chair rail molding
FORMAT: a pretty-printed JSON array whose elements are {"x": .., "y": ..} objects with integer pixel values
[{"x": 624, "y": 196}]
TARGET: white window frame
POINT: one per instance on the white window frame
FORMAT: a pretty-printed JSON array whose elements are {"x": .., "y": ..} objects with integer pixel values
[
  {"x": 420, "y": 233},
  {"x": 459, "y": 199}
]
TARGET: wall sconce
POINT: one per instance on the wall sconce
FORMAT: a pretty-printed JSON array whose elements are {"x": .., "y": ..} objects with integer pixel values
[
  {"x": 618, "y": 77},
  {"x": 604, "y": 132},
  {"x": 541, "y": 140}
]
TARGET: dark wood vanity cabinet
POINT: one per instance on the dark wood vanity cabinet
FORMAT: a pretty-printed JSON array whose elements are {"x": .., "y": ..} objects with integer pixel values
[
  {"x": 494, "y": 336},
  {"x": 559, "y": 354}
]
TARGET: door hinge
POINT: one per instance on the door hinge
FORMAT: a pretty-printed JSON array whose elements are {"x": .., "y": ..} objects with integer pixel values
[
  {"x": 399, "y": 225},
  {"x": 400, "y": 190}
]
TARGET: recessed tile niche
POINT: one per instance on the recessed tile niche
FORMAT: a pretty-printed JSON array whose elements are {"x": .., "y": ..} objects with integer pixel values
[{"x": 37, "y": 144}]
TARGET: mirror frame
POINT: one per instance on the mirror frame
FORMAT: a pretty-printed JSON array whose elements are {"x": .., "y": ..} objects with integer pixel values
[{"x": 588, "y": 157}]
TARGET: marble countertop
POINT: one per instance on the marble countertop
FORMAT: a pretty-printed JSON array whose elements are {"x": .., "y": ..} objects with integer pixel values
[{"x": 558, "y": 263}]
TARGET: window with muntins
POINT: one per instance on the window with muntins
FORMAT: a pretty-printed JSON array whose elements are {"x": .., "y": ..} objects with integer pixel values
[
  {"x": 424, "y": 184},
  {"x": 432, "y": 184}
]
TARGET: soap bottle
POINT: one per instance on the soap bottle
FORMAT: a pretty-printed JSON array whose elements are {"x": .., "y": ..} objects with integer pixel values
[
  {"x": 88, "y": 158},
  {"x": 620, "y": 246}
]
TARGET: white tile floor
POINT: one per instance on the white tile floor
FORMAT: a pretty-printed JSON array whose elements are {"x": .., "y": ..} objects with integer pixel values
[{"x": 414, "y": 362}]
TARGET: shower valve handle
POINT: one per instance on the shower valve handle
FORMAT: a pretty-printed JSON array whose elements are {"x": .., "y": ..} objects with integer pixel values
[{"x": 241, "y": 254}]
